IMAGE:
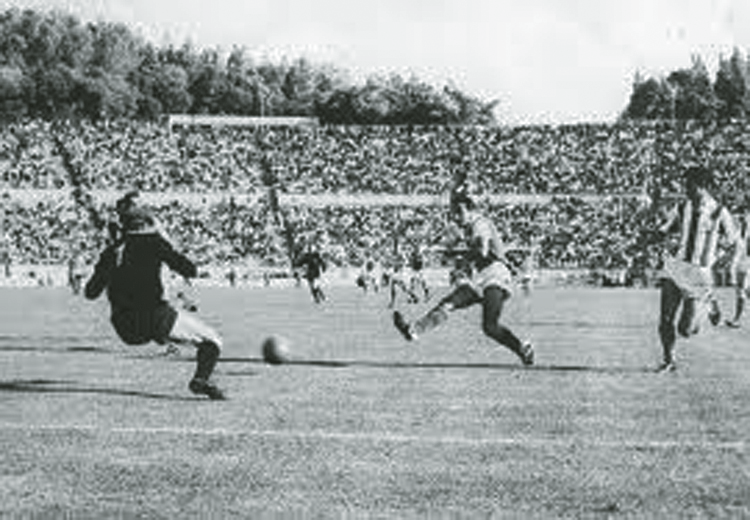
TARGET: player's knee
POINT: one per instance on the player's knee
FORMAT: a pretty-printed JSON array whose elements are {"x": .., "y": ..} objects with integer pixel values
[
  {"x": 490, "y": 327},
  {"x": 209, "y": 347}
]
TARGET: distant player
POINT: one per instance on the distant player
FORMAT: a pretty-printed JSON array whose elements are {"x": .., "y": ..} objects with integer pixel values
[
  {"x": 688, "y": 277},
  {"x": 129, "y": 269},
  {"x": 740, "y": 266},
  {"x": 314, "y": 266},
  {"x": 76, "y": 270},
  {"x": 397, "y": 283},
  {"x": 418, "y": 283},
  {"x": 490, "y": 284},
  {"x": 367, "y": 279}
]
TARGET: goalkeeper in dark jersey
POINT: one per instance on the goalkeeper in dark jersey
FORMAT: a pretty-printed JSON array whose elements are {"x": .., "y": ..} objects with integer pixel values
[
  {"x": 129, "y": 269},
  {"x": 490, "y": 285}
]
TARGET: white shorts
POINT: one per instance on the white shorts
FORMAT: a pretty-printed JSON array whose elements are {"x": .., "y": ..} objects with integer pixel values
[
  {"x": 496, "y": 274},
  {"x": 189, "y": 329},
  {"x": 695, "y": 281}
]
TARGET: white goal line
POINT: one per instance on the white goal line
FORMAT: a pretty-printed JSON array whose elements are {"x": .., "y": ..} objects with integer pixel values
[{"x": 391, "y": 437}]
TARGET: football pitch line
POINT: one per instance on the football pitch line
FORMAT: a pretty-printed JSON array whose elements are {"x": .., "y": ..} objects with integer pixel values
[{"x": 385, "y": 437}]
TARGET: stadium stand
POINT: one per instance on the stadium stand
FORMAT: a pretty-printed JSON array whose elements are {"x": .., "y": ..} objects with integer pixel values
[{"x": 577, "y": 190}]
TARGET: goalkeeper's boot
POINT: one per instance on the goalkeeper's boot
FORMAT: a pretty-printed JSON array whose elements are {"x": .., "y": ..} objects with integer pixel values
[
  {"x": 666, "y": 367},
  {"x": 202, "y": 387}
]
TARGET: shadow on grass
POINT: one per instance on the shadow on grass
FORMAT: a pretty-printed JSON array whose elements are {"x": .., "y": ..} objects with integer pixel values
[
  {"x": 71, "y": 387},
  {"x": 582, "y": 324},
  {"x": 30, "y": 348},
  {"x": 432, "y": 366}
]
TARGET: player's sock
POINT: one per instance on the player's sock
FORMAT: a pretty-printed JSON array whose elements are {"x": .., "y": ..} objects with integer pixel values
[
  {"x": 430, "y": 320},
  {"x": 403, "y": 326},
  {"x": 207, "y": 357}
]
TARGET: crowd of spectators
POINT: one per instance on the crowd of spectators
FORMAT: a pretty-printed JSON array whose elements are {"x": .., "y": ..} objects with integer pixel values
[
  {"x": 594, "y": 159},
  {"x": 566, "y": 165}
]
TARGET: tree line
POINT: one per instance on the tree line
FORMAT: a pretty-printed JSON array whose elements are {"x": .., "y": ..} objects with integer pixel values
[
  {"x": 54, "y": 66},
  {"x": 690, "y": 93}
]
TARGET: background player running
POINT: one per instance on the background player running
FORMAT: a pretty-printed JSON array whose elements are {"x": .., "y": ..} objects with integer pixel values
[
  {"x": 418, "y": 283},
  {"x": 368, "y": 279},
  {"x": 313, "y": 264},
  {"x": 397, "y": 282},
  {"x": 741, "y": 265},
  {"x": 688, "y": 279},
  {"x": 489, "y": 285},
  {"x": 129, "y": 269}
]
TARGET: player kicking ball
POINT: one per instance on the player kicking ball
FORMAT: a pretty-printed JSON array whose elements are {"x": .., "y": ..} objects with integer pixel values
[
  {"x": 489, "y": 286},
  {"x": 129, "y": 269},
  {"x": 687, "y": 278}
]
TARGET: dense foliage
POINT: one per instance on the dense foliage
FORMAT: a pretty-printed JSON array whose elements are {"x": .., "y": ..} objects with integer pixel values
[{"x": 54, "y": 66}]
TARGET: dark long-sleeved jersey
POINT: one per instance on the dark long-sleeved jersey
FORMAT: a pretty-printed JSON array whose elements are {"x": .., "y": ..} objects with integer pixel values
[
  {"x": 131, "y": 272},
  {"x": 313, "y": 263}
]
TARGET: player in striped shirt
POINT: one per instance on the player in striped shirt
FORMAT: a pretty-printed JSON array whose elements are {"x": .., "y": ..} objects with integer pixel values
[
  {"x": 740, "y": 265},
  {"x": 489, "y": 286},
  {"x": 688, "y": 279}
]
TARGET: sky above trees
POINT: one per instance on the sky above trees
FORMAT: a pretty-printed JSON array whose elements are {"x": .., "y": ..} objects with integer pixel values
[{"x": 545, "y": 61}]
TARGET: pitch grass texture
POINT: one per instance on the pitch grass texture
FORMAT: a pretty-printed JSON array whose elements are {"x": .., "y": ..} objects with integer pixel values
[{"x": 364, "y": 425}]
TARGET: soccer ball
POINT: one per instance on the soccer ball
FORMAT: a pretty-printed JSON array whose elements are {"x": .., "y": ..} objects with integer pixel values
[{"x": 276, "y": 350}]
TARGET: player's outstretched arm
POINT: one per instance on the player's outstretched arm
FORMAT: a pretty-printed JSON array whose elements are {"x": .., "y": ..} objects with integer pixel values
[{"x": 100, "y": 278}]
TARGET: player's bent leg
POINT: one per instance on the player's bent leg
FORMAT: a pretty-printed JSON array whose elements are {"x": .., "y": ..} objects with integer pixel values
[
  {"x": 461, "y": 297},
  {"x": 189, "y": 329},
  {"x": 741, "y": 290},
  {"x": 492, "y": 307},
  {"x": 689, "y": 322},
  {"x": 671, "y": 297}
]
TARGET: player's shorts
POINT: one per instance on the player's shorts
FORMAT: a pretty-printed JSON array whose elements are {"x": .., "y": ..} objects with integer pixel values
[
  {"x": 693, "y": 280},
  {"x": 188, "y": 328},
  {"x": 496, "y": 274},
  {"x": 138, "y": 327}
]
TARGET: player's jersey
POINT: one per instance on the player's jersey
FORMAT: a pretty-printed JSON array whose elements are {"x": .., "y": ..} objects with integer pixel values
[
  {"x": 701, "y": 227},
  {"x": 484, "y": 242},
  {"x": 313, "y": 263},
  {"x": 131, "y": 272}
]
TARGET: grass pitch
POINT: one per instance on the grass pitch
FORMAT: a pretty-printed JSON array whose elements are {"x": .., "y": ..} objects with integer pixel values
[{"x": 362, "y": 424}]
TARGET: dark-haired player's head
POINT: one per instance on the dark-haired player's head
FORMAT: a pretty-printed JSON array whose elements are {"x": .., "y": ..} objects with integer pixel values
[
  {"x": 133, "y": 216},
  {"x": 698, "y": 178}
]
